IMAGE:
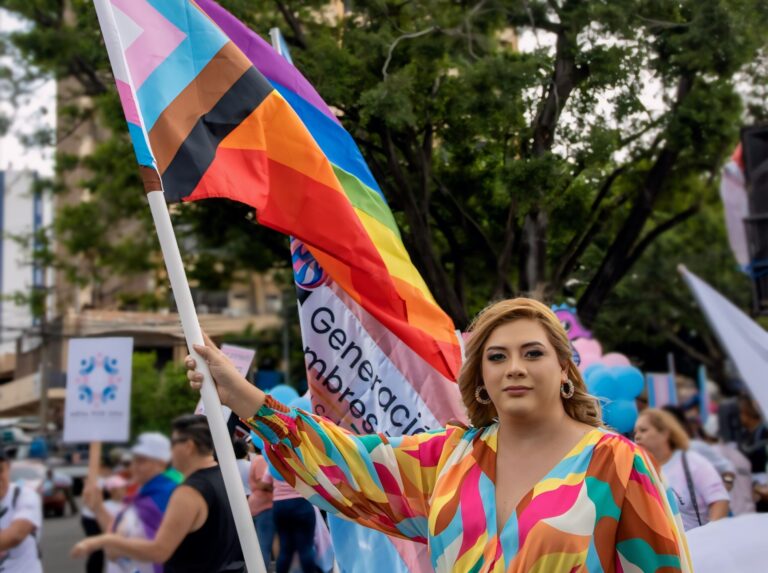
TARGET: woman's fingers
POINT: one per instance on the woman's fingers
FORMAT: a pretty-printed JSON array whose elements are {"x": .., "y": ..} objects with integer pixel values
[
  {"x": 204, "y": 352},
  {"x": 208, "y": 342}
]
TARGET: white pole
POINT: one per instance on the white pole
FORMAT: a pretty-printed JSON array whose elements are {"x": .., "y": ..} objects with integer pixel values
[{"x": 194, "y": 335}]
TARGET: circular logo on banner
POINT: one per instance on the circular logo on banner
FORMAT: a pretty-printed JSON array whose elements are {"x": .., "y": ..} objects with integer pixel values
[
  {"x": 98, "y": 377},
  {"x": 307, "y": 272}
]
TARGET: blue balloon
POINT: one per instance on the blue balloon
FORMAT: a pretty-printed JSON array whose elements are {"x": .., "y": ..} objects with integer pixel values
[
  {"x": 631, "y": 381},
  {"x": 283, "y": 393},
  {"x": 603, "y": 384},
  {"x": 620, "y": 415},
  {"x": 592, "y": 369},
  {"x": 257, "y": 441},
  {"x": 302, "y": 403}
]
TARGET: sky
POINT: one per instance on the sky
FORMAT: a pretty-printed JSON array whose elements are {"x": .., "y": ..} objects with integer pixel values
[{"x": 34, "y": 111}]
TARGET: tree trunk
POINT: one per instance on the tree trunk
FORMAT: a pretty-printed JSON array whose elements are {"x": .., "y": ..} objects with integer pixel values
[
  {"x": 618, "y": 260},
  {"x": 565, "y": 78}
]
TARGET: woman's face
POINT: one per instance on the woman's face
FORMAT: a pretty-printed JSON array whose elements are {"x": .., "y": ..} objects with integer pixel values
[
  {"x": 652, "y": 439},
  {"x": 521, "y": 371}
]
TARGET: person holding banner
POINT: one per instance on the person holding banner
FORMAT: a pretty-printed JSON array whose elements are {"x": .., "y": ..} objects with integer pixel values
[{"x": 536, "y": 483}]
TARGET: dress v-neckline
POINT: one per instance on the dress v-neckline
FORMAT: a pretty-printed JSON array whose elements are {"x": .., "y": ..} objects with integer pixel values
[{"x": 492, "y": 519}]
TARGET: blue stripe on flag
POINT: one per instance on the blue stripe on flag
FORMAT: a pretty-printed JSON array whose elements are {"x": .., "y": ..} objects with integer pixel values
[
  {"x": 140, "y": 147},
  {"x": 362, "y": 550},
  {"x": 168, "y": 80}
]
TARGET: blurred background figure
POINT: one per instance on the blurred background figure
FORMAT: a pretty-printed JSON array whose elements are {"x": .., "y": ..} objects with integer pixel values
[
  {"x": 295, "y": 521},
  {"x": 21, "y": 517},
  {"x": 740, "y": 488},
  {"x": 260, "y": 504},
  {"x": 698, "y": 488},
  {"x": 143, "y": 512},
  {"x": 197, "y": 531},
  {"x": 243, "y": 463},
  {"x": 753, "y": 443},
  {"x": 689, "y": 421}
]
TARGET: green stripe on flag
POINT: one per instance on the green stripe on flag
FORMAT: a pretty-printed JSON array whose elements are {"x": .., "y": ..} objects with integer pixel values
[{"x": 366, "y": 199}]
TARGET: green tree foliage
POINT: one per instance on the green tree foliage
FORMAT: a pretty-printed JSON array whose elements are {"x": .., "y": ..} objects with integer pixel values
[
  {"x": 158, "y": 397},
  {"x": 545, "y": 171}
]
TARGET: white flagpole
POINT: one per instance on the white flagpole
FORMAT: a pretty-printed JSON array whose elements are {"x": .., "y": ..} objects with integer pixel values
[
  {"x": 194, "y": 335},
  {"x": 222, "y": 443}
]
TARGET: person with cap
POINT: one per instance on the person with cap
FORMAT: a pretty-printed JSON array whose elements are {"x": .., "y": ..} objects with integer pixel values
[
  {"x": 21, "y": 516},
  {"x": 197, "y": 533},
  {"x": 143, "y": 512}
]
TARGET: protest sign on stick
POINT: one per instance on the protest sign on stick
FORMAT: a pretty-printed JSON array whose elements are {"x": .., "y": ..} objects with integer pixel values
[{"x": 98, "y": 393}]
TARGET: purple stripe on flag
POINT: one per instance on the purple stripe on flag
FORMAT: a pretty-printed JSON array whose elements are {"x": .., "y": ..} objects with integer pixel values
[{"x": 267, "y": 60}]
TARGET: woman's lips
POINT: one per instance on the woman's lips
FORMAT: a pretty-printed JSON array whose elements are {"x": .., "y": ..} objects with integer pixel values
[{"x": 516, "y": 390}]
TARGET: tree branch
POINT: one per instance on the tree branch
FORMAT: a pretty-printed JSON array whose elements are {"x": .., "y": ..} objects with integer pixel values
[
  {"x": 654, "y": 233},
  {"x": 293, "y": 22},
  {"x": 580, "y": 242},
  {"x": 687, "y": 348},
  {"x": 399, "y": 39}
]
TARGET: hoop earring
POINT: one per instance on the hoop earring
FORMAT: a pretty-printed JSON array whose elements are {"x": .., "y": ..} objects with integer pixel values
[
  {"x": 567, "y": 389},
  {"x": 484, "y": 400}
]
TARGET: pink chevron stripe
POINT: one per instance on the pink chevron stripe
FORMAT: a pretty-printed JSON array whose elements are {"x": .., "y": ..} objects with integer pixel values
[
  {"x": 546, "y": 505},
  {"x": 158, "y": 40},
  {"x": 129, "y": 105},
  {"x": 472, "y": 509}
]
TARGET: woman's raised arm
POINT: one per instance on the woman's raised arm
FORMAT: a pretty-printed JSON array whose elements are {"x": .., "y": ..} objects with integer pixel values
[{"x": 378, "y": 481}]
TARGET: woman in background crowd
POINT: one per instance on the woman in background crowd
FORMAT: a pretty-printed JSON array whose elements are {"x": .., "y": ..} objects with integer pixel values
[{"x": 698, "y": 488}]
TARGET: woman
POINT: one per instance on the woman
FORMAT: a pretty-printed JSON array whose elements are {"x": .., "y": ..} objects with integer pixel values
[
  {"x": 536, "y": 484},
  {"x": 700, "y": 492}
]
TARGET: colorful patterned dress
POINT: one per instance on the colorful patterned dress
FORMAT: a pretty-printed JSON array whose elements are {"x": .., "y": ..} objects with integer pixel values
[{"x": 600, "y": 509}]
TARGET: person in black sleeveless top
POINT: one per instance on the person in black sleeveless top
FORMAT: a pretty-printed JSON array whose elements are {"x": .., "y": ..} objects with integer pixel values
[{"x": 197, "y": 534}]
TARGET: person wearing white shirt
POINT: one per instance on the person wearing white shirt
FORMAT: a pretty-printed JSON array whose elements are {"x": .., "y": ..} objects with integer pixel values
[{"x": 21, "y": 517}]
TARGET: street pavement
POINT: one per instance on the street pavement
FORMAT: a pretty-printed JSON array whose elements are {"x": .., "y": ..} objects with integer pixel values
[{"x": 59, "y": 535}]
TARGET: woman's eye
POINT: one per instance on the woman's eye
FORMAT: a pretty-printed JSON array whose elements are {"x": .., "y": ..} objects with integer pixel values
[
  {"x": 534, "y": 354},
  {"x": 496, "y": 357}
]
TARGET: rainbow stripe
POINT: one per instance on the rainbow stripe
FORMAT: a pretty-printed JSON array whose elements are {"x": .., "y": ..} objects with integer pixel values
[{"x": 217, "y": 113}]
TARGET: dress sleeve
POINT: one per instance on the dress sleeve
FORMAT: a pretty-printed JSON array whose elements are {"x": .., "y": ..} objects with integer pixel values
[
  {"x": 377, "y": 481},
  {"x": 650, "y": 534}
]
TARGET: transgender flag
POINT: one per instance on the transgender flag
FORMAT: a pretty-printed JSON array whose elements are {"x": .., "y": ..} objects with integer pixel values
[
  {"x": 661, "y": 389},
  {"x": 214, "y": 112}
]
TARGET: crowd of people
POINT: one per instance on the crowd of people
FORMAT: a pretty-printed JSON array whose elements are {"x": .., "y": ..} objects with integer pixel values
[
  {"x": 163, "y": 505},
  {"x": 166, "y": 510}
]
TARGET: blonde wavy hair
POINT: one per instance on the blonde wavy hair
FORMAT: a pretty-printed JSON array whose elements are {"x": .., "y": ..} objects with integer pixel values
[
  {"x": 666, "y": 422},
  {"x": 581, "y": 406}
]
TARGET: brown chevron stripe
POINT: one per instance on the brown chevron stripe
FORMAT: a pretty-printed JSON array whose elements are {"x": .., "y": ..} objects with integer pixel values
[{"x": 177, "y": 120}]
